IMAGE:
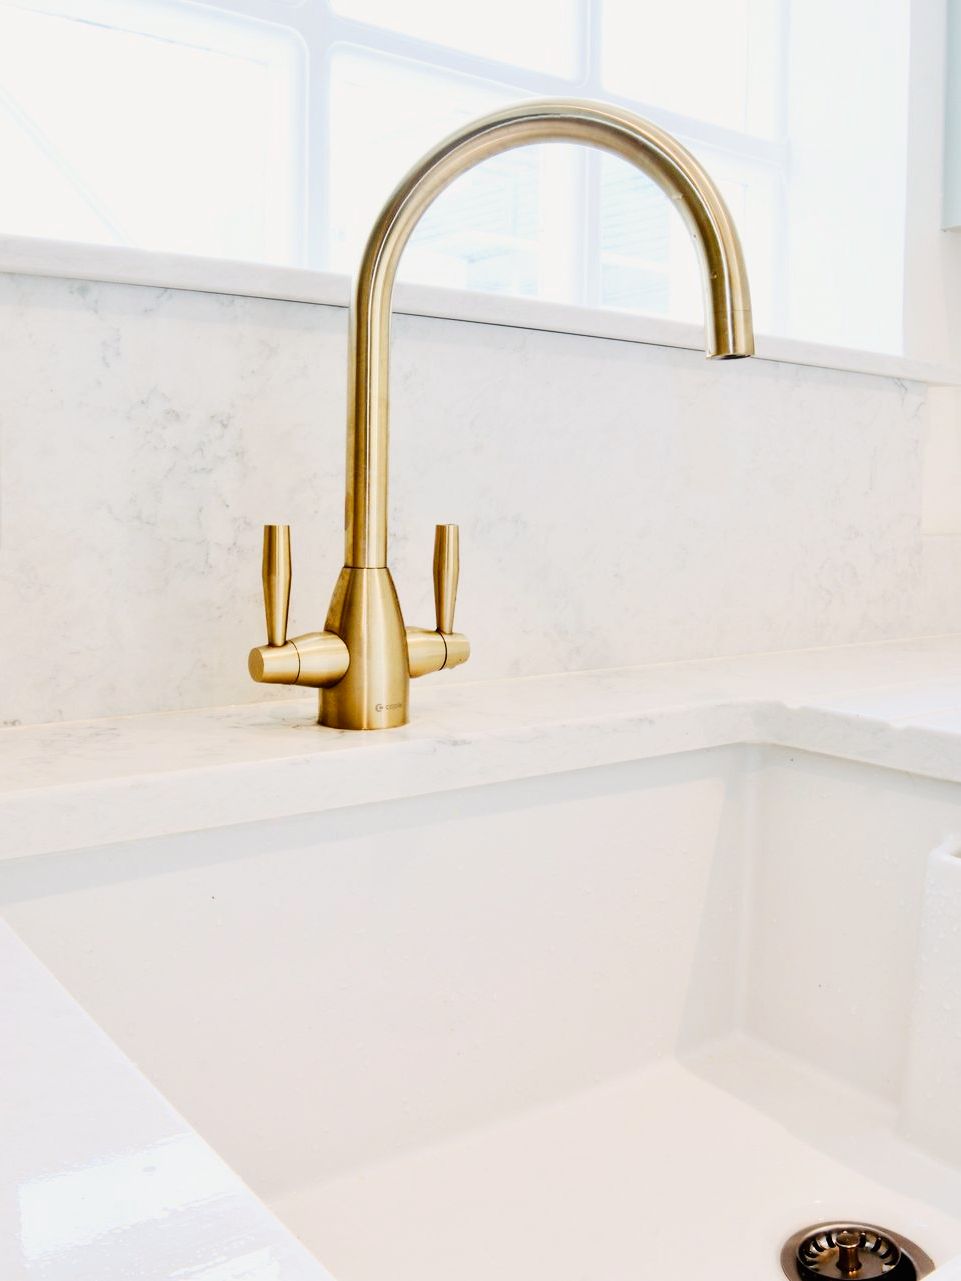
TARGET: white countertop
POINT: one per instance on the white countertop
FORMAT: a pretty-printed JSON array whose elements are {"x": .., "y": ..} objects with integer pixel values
[
  {"x": 100, "y": 1179},
  {"x": 80, "y": 784}
]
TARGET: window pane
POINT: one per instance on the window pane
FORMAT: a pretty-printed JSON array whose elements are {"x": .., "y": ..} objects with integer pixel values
[
  {"x": 176, "y": 129},
  {"x": 716, "y": 62},
  {"x": 176, "y": 125},
  {"x": 647, "y": 261},
  {"x": 635, "y": 241},
  {"x": 505, "y": 226},
  {"x": 539, "y": 34}
]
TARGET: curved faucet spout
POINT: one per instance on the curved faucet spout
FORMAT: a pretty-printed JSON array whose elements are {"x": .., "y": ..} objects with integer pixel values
[{"x": 728, "y": 327}]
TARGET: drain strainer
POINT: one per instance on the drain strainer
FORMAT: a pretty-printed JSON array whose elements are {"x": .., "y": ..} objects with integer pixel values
[{"x": 853, "y": 1252}]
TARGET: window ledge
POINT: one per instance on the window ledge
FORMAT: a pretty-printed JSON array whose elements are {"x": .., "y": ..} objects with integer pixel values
[{"x": 27, "y": 255}]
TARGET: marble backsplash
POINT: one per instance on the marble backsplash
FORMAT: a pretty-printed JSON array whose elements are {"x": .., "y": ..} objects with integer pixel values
[{"x": 618, "y": 503}]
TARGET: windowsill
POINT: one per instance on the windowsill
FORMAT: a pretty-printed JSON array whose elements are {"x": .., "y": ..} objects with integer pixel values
[{"x": 26, "y": 255}]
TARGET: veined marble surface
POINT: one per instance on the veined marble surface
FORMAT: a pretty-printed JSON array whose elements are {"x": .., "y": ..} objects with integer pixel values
[
  {"x": 620, "y": 503},
  {"x": 101, "y": 1180},
  {"x": 895, "y": 704}
]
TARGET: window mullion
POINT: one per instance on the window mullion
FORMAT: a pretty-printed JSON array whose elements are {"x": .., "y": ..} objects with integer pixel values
[
  {"x": 327, "y": 28},
  {"x": 589, "y": 248},
  {"x": 316, "y": 32},
  {"x": 781, "y": 284}
]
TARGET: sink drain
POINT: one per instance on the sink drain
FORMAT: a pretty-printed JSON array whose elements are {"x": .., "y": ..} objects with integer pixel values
[{"x": 853, "y": 1252}]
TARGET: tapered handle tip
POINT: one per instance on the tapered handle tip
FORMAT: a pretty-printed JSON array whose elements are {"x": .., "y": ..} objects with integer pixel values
[
  {"x": 446, "y": 574},
  {"x": 276, "y": 576}
]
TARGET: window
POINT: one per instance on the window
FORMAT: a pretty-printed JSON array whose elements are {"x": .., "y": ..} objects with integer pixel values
[
  {"x": 166, "y": 127},
  {"x": 272, "y": 130}
]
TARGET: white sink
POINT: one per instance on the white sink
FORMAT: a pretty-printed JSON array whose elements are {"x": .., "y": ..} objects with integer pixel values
[{"x": 639, "y": 1021}]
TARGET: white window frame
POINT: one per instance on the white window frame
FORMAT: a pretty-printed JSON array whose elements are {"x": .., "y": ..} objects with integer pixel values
[{"x": 322, "y": 29}]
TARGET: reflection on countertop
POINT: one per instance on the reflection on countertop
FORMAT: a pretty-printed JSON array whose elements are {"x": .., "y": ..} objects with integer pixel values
[{"x": 100, "y": 1179}]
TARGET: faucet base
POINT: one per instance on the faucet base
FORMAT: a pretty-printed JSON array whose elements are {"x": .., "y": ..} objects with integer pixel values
[{"x": 365, "y": 614}]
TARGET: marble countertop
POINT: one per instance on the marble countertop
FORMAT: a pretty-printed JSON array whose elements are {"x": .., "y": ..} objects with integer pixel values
[{"x": 80, "y": 784}]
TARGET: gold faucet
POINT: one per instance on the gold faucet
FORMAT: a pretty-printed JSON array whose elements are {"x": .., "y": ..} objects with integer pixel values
[{"x": 362, "y": 663}]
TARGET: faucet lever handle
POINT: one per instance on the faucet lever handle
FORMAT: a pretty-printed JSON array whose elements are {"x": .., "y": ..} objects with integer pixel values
[
  {"x": 276, "y": 575},
  {"x": 446, "y": 574}
]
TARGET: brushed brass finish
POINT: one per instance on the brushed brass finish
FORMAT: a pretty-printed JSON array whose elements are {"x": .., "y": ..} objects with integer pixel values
[
  {"x": 729, "y": 331},
  {"x": 324, "y": 659},
  {"x": 364, "y": 613},
  {"x": 315, "y": 659},
  {"x": 276, "y": 576},
  {"x": 458, "y": 649},
  {"x": 443, "y": 647},
  {"x": 426, "y": 651},
  {"x": 274, "y": 664},
  {"x": 433, "y": 651},
  {"x": 446, "y": 575}
]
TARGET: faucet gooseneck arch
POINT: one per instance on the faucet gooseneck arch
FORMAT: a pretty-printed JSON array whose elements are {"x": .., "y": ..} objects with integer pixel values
[{"x": 364, "y": 659}]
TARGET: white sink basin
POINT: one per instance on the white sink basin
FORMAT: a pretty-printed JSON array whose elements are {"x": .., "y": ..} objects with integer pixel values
[{"x": 646, "y": 1020}]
